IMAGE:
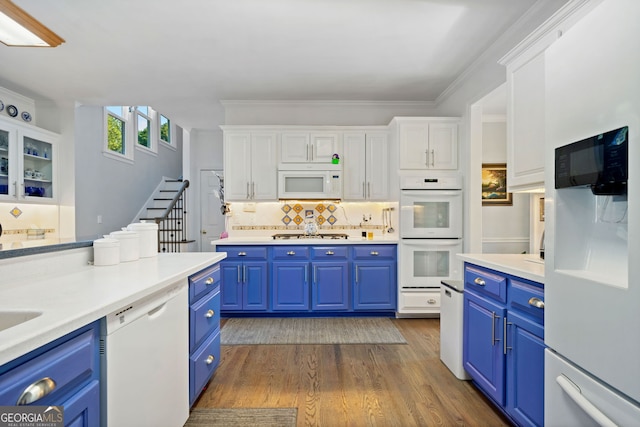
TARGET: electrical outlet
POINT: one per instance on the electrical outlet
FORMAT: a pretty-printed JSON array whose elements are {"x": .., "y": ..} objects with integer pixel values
[{"x": 99, "y": 219}]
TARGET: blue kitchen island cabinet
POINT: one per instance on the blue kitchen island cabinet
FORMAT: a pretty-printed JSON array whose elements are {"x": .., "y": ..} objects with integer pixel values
[
  {"x": 66, "y": 372},
  {"x": 503, "y": 341},
  {"x": 244, "y": 278},
  {"x": 374, "y": 277}
]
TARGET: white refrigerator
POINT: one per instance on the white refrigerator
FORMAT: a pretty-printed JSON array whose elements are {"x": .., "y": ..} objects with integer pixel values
[{"x": 592, "y": 262}]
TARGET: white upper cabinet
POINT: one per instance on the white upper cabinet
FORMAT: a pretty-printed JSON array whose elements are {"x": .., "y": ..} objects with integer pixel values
[
  {"x": 525, "y": 66},
  {"x": 309, "y": 147},
  {"x": 250, "y": 166},
  {"x": 427, "y": 143},
  {"x": 27, "y": 163},
  {"x": 366, "y": 165}
]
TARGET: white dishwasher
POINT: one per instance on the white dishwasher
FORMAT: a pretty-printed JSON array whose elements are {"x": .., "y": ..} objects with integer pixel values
[
  {"x": 451, "y": 326},
  {"x": 145, "y": 362}
]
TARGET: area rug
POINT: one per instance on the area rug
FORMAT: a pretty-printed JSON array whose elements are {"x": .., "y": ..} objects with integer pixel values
[
  {"x": 242, "y": 417},
  {"x": 332, "y": 330}
]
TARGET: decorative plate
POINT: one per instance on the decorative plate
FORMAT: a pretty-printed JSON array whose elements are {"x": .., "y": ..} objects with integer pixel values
[
  {"x": 12, "y": 110},
  {"x": 26, "y": 116},
  {"x": 1, "y": 105}
]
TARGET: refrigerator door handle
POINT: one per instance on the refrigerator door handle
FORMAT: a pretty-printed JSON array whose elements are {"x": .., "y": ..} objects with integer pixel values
[{"x": 573, "y": 391}]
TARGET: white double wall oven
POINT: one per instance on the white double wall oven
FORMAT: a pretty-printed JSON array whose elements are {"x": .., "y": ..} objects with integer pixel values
[{"x": 431, "y": 236}]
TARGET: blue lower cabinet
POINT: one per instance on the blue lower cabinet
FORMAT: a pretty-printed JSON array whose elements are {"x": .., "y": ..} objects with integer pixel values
[
  {"x": 72, "y": 363},
  {"x": 244, "y": 285},
  {"x": 330, "y": 286},
  {"x": 525, "y": 364},
  {"x": 202, "y": 364},
  {"x": 374, "y": 285},
  {"x": 290, "y": 286}
]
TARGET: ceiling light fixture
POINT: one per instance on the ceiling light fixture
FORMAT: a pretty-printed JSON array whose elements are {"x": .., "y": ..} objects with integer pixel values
[{"x": 18, "y": 28}]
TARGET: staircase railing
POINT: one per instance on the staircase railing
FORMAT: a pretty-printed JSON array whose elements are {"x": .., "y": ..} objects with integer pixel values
[{"x": 172, "y": 222}]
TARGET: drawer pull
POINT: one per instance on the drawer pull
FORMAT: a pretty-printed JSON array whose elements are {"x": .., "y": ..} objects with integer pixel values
[
  {"x": 479, "y": 281},
  {"x": 374, "y": 253},
  {"x": 36, "y": 391},
  {"x": 329, "y": 253},
  {"x": 242, "y": 254},
  {"x": 431, "y": 301},
  {"x": 209, "y": 314},
  {"x": 536, "y": 302},
  {"x": 210, "y": 359},
  {"x": 291, "y": 253},
  {"x": 209, "y": 281}
]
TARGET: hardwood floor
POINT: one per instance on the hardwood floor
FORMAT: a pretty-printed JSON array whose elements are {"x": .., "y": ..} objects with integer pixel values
[{"x": 352, "y": 385}]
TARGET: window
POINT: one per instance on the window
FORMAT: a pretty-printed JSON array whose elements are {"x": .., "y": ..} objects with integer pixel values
[
  {"x": 116, "y": 141},
  {"x": 143, "y": 127},
  {"x": 165, "y": 129}
]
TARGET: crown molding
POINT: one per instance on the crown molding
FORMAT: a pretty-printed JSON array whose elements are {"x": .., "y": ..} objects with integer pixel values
[{"x": 328, "y": 103}]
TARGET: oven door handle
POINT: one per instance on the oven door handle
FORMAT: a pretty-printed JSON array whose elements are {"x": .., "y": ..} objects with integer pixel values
[{"x": 431, "y": 242}]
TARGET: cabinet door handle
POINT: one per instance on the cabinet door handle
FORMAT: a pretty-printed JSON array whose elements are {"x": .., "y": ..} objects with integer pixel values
[
  {"x": 209, "y": 281},
  {"x": 329, "y": 253},
  {"x": 536, "y": 302},
  {"x": 363, "y": 190},
  {"x": 291, "y": 253},
  {"x": 493, "y": 328},
  {"x": 431, "y": 301},
  {"x": 239, "y": 277},
  {"x": 504, "y": 336},
  {"x": 426, "y": 156},
  {"x": 253, "y": 190},
  {"x": 479, "y": 281},
  {"x": 356, "y": 275},
  {"x": 368, "y": 190},
  {"x": 433, "y": 158},
  {"x": 209, "y": 314},
  {"x": 248, "y": 194},
  {"x": 242, "y": 254},
  {"x": 244, "y": 273},
  {"x": 210, "y": 359},
  {"x": 315, "y": 270},
  {"x": 374, "y": 253},
  {"x": 36, "y": 391}
]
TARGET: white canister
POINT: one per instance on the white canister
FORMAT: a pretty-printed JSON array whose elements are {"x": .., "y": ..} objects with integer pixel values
[
  {"x": 129, "y": 244},
  {"x": 106, "y": 251},
  {"x": 148, "y": 232}
]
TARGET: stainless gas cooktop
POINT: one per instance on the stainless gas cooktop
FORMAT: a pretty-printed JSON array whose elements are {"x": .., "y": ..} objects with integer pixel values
[{"x": 288, "y": 236}]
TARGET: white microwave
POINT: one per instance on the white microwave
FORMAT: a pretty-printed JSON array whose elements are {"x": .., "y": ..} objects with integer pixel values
[{"x": 309, "y": 181}]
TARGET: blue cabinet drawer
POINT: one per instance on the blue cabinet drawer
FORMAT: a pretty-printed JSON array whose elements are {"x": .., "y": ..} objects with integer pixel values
[
  {"x": 329, "y": 252},
  {"x": 486, "y": 282},
  {"x": 202, "y": 365},
  {"x": 61, "y": 369},
  {"x": 244, "y": 252},
  {"x": 373, "y": 252},
  {"x": 203, "y": 282},
  {"x": 291, "y": 252},
  {"x": 527, "y": 298},
  {"x": 204, "y": 318}
]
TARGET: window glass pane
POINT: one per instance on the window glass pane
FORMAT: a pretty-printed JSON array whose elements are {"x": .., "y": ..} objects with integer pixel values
[
  {"x": 165, "y": 129},
  {"x": 143, "y": 131},
  {"x": 115, "y": 134},
  {"x": 116, "y": 109},
  {"x": 144, "y": 110}
]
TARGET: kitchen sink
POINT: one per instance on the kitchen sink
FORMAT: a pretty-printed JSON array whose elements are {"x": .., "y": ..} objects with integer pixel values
[{"x": 9, "y": 319}]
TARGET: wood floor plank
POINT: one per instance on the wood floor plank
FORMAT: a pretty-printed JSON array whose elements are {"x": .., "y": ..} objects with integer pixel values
[{"x": 353, "y": 384}]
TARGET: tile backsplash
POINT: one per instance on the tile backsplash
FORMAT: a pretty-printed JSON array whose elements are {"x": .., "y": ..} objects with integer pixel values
[{"x": 253, "y": 219}]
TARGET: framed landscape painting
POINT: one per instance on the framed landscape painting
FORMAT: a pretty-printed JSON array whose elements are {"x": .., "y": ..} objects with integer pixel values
[{"x": 494, "y": 185}]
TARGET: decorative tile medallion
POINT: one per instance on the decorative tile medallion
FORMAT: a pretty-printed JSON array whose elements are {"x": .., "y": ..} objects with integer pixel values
[
  {"x": 16, "y": 212},
  {"x": 298, "y": 219},
  {"x": 286, "y": 208},
  {"x": 286, "y": 220},
  {"x": 332, "y": 219},
  {"x": 320, "y": 219},
  {"x": 332, "y": 208},
  {"x": 297, "y": 208},
  {"x": 320, "y": 208}
]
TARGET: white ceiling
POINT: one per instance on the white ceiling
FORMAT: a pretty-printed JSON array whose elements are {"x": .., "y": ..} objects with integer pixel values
[{"x": 182, "y": 57}]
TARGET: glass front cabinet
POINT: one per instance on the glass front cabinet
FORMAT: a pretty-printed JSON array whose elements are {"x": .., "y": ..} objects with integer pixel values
[{"x": 27, "y": 167}]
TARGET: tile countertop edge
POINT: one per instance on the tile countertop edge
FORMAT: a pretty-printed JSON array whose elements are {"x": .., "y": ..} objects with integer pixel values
[
  {"x": 305, "y": 241},
  {"x": 520, "y": 265},
  {"x": 86, "y": 294}
]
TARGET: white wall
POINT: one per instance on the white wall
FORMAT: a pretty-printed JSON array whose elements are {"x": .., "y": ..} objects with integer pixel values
[{"x": 505, "y": 229}]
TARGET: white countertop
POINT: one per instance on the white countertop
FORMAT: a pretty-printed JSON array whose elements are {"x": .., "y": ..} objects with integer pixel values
[
  {"x": 81, "y": 294},
  {"x": 268, "y": 240},
  {"x": 527, "y": 266}
]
